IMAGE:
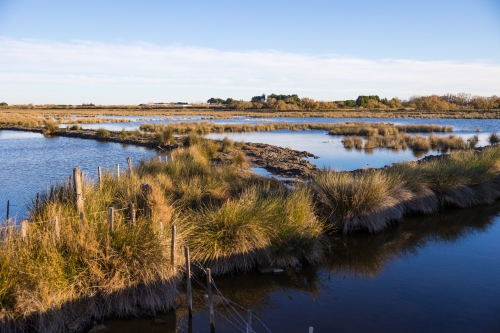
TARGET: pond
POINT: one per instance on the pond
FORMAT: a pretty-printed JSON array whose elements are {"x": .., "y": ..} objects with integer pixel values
[{"x": 427, "y": 274}]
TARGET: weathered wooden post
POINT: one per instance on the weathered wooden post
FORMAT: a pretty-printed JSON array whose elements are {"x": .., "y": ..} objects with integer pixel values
[
  {"x": 210, "y": 301},
  {"x": 249, "y": 323},
  {"x": 132, "y": 213},
  {"x": 147, "y": 190},
  {"x": 83, "y": 180},
  {"x": 8, "y": 213},
  {"x": 99, "y": 176},
  {"x": 159, "y": 158},
  {"x": 118, "y": 171},
  {"x": 172, "y": 248},
  {"x": 24, "y": 230},
  {"x": 111, "y": 217},
  {"x": 57, "y": 228},
  {"x": 129, "y": 161},
  {"x": 82, "y": 218},
  {"x": 78, "y": 189},
  {"x": 37, "y": 202},
  {"x": 188, "y": 282}
]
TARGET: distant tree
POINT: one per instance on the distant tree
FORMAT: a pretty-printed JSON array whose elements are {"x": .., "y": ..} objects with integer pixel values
[
  {"x": 309, "y": 103},
  {"x": 289, "y": 99},
  {"x": 3, "y": 104},
  {"x": 215, "y": 101},
  {"x": 257, "y": 99},
  {"x": 350, "y": 103},
  {"x": 363, "y": 100},
  {"x": 228, "y": 101}
]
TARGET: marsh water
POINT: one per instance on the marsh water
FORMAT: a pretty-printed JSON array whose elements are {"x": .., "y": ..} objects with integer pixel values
[
  {"x": 30, "y": 163},
  {"x": 436, "y": 273}
]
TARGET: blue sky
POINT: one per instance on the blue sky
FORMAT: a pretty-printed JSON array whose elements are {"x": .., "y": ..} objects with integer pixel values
[{"x": 140, "y": 51}]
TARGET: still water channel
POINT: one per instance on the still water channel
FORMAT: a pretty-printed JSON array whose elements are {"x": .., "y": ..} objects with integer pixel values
[{"x": 427, "y": 274}]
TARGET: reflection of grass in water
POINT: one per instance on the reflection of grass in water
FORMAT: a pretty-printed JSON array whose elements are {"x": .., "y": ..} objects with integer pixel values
[{"x": 367, "y": 255}]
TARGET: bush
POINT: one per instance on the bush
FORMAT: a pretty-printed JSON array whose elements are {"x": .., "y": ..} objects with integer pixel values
[
  {"x": 494, "y": 138},
  {"x": 102, "y": 132},
  {"x": 50, "y": 126}
]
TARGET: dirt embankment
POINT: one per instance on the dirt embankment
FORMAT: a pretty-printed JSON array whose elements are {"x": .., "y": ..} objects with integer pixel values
[{"x": 283, "y": 162}]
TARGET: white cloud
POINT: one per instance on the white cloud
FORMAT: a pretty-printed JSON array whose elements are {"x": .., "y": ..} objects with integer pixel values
[{"x": 51, "y": 72}]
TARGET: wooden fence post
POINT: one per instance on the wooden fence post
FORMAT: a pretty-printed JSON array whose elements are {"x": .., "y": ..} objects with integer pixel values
[
  {"x": 111, "y": 219},
  {"x": 99, "y": 176},
  {"x": 77, "y": 178},
  {"x": 249, "y": 323},
  {"x": 129, "y": 161},
  {"x": 82, "y": 218},
  {"x": 159, "y": 158},
  {"x": 147, "y": 190},
  {"x": 24, "y": 230},
  {"x": 57, "y": 228},
  {"x": 118, "y": 171},
  {"x": 210, "y": 301},
  {"x": 8, "y": 212},
  {"x": 188, "y": 281},
  {"x": 132, "y": 213}
]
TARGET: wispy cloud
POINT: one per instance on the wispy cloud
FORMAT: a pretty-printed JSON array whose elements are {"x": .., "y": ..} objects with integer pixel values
[{"x": 44, "y": 71}]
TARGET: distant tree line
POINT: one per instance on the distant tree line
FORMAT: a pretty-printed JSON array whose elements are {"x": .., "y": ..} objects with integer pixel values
[{"x": 461, "y": 101}]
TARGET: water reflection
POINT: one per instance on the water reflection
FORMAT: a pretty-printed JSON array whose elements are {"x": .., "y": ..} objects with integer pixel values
[{"x": 366, "y": 255}]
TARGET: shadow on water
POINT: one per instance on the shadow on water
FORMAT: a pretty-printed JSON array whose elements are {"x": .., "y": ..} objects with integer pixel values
[{"x": 369, "y": 282}]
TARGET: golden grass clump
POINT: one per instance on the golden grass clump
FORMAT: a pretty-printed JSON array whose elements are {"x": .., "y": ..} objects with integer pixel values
[
  {"x": 372, "y": 199},
  {"x": 263, "y": 226}
]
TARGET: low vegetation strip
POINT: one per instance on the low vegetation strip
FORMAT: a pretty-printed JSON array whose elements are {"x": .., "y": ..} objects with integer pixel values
[
  {"x": 414, "y": 142},
  {"x": 349, "y": 128},
  {"x": 373, "y": 199}
]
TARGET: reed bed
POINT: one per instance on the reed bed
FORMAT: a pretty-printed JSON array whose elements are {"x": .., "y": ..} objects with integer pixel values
[
  {"x": 414, "y": 142},
  {"x": 373, "y": 199},
  {"x": 349, "y": 128}
]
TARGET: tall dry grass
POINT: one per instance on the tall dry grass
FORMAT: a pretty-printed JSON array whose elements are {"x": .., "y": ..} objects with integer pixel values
[
  {"x": 231, "y": 220},
  {"x": 374, "y": 199}
]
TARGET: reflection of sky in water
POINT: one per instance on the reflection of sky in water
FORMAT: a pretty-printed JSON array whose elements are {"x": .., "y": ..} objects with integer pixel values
[
  {"x": 31, "y": 162},
  {"x": 330, "y": 149}
]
